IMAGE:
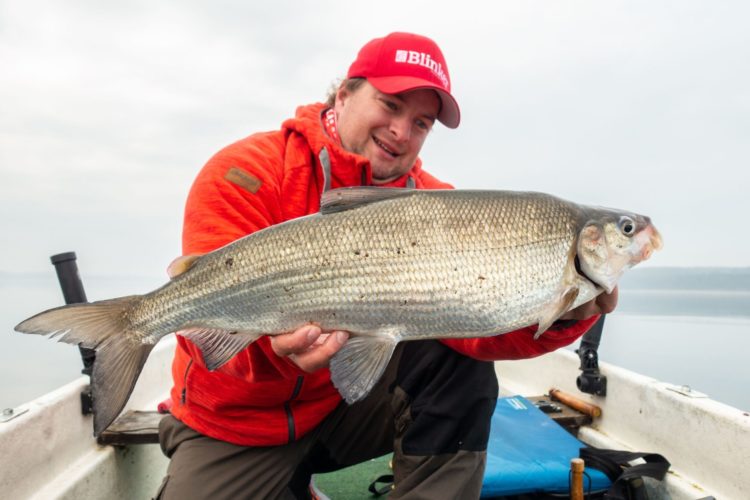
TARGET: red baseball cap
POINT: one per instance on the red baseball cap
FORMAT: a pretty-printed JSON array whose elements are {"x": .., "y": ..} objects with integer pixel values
[{"x": 404, "y": 61}]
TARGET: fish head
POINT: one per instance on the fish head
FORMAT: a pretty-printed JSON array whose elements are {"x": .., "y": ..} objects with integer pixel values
[{"x": 612, "y": 242}]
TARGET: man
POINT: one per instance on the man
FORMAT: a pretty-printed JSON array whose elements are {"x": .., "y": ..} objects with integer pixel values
[{"x": 261, "y": 424}]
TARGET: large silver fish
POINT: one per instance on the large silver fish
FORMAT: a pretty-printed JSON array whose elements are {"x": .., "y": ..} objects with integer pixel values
[{"x": 385, "y": 264}]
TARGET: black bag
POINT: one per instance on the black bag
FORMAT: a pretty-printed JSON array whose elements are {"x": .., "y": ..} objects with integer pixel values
[{"x": 627, "y": 479}]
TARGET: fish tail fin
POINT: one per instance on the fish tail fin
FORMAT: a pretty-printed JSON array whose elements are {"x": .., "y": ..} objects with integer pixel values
[
  {"x": 358, "y": 366},
  {"x": 117, "y": 365},
  {"x": 120, "y": 348}
]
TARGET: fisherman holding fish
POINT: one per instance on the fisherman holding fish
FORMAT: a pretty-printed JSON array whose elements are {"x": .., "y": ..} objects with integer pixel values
[
  {"x": 327, "y": 316},
  {"x": 261, "y": 424}
]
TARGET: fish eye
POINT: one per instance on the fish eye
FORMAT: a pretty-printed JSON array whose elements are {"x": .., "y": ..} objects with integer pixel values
[{"x": 627, "y": 226}]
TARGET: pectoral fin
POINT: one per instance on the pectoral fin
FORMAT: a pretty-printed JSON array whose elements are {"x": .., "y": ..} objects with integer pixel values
[
  {"x": 556, "y": 310},
  {"x": 218, "y": 346},
  {"x": 357, "y": 367}
]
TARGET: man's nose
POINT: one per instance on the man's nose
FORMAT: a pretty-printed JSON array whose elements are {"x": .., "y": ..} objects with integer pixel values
[{"x": 400, "y": 128}]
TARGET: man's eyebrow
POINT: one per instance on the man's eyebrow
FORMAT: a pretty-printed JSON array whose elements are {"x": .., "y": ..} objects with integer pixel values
[
  {"x": 430, "y": 117},
  {"x": 397, "y": 97},
  {"x": 401, "y": 100}
]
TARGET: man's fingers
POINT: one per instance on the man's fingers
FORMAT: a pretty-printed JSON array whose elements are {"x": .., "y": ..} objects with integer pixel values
[
  {"x": 608, "y": 301},
  {"x": 296, "y": 342},
  {"x": 320, "y": 355},
  {"x": 604, "y": 303},
  {"x": 307, "y": 347}
]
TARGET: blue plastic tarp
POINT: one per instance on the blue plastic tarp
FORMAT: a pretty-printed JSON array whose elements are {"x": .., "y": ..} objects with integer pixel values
[{"x": 529, "y": 452}]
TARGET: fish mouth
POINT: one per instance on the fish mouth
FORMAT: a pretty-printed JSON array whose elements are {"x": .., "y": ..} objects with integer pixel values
[
  {"x": 656, "y": 239},
  {"x": 651, "y": 241},
  {"x": 657, "y": 243}
]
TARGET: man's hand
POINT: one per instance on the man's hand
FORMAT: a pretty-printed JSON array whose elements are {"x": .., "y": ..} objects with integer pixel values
[
  {"x": 604, "y": 303},
  {"x": 308, "y": 347}
]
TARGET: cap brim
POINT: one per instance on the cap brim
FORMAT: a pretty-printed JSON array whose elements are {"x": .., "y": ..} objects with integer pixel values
[{"x": 449, "y": 115}]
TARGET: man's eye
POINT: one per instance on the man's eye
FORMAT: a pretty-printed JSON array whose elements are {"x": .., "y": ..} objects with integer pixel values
[
  {"x": 421, "y": 124},
  {"x": 391, "y": 105}
]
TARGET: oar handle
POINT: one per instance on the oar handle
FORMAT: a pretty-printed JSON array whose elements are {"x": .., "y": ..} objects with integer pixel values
[
  {"x": 575, "y": 403},
  {"x": 576, "y": 479}
]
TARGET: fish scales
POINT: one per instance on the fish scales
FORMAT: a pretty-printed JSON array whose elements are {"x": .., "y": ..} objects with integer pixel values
[
  {"x": 401, "y": 264},
  {"x": 385, "y": 264}
]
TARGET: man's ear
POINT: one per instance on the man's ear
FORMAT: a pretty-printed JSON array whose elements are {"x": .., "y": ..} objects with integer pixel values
[{"x": 342, "y": 94}]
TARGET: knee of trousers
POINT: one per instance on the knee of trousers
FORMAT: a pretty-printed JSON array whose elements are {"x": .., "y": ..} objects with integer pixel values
[{"x": 444, "y": 400}]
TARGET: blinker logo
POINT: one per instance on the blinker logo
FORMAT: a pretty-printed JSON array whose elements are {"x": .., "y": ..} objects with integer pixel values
[{"x": 423, "y": 59}]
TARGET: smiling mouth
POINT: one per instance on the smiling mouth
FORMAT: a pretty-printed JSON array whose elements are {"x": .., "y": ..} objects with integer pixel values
[{"x": 384, "y": 147}]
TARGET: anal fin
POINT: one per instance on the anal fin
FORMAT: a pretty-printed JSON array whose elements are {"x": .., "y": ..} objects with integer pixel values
[
  {"x": 358, "y": 366},
  {"x": 219, "y": 346}
]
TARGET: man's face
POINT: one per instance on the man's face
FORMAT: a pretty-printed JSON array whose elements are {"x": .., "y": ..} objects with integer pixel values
[{"x": 387, "y": 129}]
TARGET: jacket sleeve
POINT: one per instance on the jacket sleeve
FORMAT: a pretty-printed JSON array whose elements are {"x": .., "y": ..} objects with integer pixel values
[{"x": 520, "y": 344}]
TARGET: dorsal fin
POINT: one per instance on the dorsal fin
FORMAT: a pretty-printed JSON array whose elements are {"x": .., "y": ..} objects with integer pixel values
[
  {"x": 181, "y": 265},
  {"x": 340, "y": 199}
]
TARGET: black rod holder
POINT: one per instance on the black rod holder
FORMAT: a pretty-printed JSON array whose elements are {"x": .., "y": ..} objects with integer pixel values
[
  {"x": 591, "y": 381},
  {"x": 73, "y": 293}
]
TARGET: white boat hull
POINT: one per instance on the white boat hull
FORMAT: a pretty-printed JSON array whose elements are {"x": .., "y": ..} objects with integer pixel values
[{"x": 49, "y": 451}]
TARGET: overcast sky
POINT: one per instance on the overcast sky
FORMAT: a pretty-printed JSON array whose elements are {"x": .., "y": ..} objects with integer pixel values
[{"x": 109, "y": 109}]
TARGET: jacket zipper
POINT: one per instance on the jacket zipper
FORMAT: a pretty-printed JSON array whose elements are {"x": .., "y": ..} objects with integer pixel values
[
  {"x": 183, "y": 396},
  {"x": 288, "y": 408}
]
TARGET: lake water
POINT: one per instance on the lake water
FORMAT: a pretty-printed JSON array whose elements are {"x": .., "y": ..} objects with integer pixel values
[{"x": 682, "y": 326}]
